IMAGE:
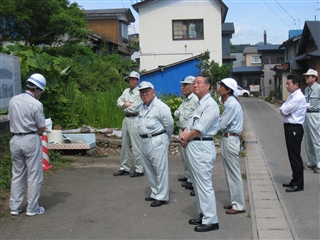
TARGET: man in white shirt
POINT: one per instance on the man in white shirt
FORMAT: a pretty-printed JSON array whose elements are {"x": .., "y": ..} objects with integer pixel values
[{"x": 293, "y": 111}]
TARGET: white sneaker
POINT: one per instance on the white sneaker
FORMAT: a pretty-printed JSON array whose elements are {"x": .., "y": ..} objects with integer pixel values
[
  {"x": 39, "y": 211},
  {"x": 16, "y": 212}
]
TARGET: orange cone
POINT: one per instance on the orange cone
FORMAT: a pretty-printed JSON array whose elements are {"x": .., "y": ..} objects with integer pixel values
[{"x": 45, "y": 160}]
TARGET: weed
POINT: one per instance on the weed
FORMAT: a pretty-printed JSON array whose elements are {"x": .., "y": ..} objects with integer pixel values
[{"x": 244, "y": 176}]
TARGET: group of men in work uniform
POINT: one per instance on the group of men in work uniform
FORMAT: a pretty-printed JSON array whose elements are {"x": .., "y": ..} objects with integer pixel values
[{"x": 151, "y": 126}]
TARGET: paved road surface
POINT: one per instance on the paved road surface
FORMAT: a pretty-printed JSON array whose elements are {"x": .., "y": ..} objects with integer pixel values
[
  {"x": 301, "y": 208},
  {"x": 87, "y": 202}
]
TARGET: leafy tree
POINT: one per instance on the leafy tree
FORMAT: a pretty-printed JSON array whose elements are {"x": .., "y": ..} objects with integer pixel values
[
  {"x": 41, "y": 22},
  {"x": 212, "y": 68}
]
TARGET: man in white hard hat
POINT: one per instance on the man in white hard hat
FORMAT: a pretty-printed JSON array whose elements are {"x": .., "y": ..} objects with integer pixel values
[
  {"x": 312, "y": 123},
  {"x": 197, "y": 138},
  {"x": 155, "y": 128},
  {"x": 26, "y": 119},
  {"x": 182, "y": 114},
  {"x": 231, "y": 124},
  {"x": 130, "y": 102}
]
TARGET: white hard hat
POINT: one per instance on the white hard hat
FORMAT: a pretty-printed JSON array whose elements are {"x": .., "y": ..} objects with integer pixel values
[
  {"x": 134, "y": 74},
  {"x": 188, "y": 80},
  {"x": 232, "y": 84},
  {"x": 38, "y": 80},
  {"x": 144, "y": 85}
]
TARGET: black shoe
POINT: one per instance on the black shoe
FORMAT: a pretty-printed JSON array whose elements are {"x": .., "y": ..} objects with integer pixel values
[
  {"x": 196, "y": 221},
  {"x": 157, "y": 203},
  {"x": 182, "y": 179},
  {"x": 207, "y": 227},
  {"x": 287, "y": 185},
  {"x": 309, "y": 167},
  {"x": 121, "y": 173},
  {"x": 294, "y": 189},
  {"x": 192, "y": 194},
  {"x": 149, "y": 199},
  {"x": 136, "y": 174},
  {"x": 188, "y": 187},
  {"x": 185, "y": 184}
]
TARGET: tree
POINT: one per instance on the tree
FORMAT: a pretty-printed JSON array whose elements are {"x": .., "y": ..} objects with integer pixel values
[
  {"x": 41, "y": 22},
  {"x": 212, "y": 69}
]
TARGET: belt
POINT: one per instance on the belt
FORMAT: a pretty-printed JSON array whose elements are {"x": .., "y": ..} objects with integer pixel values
[
  {"x": 151, "y": 135},
  {"x": 229, "y": 134},
  {"x": 22, "y": 134},
  {"x": 202, "y": 139},
  {"x": 131, "y": 115},
  {"x": 310, "y": 111},
  {"x": 292, "y": 124}
]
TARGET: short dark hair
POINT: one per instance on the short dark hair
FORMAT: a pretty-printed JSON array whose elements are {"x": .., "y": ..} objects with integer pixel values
[
  {"x": 207, "y": 80},
  {"x": 294, "y": 78}
]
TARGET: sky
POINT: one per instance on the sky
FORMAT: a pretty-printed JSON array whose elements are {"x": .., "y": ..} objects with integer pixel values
[{"x": 250, "y": 17}]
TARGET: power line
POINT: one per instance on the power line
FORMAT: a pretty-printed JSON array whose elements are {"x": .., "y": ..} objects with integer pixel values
[
  {"x": 285, "y": 10},
  {"x": 276, "y": 14},
  {"x": 294, "y": 20}
]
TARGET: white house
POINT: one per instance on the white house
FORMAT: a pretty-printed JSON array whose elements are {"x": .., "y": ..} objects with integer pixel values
[{"x": 171, "y": 31}]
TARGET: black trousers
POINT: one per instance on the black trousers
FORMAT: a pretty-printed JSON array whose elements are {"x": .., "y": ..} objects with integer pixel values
[{"x": 294, "y": 134}]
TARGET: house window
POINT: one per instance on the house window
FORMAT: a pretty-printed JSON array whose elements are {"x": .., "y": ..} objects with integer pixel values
[
  {"x": 124, "y": 32},
  {"x": 187, "y": 29},
  {"x": 255, "y": 59}
]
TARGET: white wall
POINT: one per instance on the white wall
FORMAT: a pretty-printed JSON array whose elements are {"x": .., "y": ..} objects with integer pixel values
[{"x": 157, "y": 46}]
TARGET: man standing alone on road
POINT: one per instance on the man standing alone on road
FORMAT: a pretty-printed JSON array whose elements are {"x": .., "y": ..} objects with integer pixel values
[
  {"x": 26, "y": 119},
  {"x": 312, "y": 121},
  {"x": 155, "y": 129},
  {"x": 182, "y": 114},
  {"x": 293, "y": 111},
  {"x": 130, "y": 102},
  {"x": 231, "y": 124},
  {"x": 197, "y": 138}
]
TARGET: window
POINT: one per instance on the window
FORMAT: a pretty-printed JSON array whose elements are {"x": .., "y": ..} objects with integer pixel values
[
  {"x": 255, "y": 59},
  {"x": 124, "y": 32},
  {"x": 187, "y": 29}
]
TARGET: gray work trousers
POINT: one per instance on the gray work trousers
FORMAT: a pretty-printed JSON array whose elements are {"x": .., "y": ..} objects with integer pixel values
[
  {"x": 26, "y": 155},
  {"x": 230, "y": 148},
  {"x": 130, "y": 136},
  {"x": 312, "y": 138}
]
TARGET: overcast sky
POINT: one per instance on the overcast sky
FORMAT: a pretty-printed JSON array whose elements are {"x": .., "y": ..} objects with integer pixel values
[{"x": 250, "y": 17}]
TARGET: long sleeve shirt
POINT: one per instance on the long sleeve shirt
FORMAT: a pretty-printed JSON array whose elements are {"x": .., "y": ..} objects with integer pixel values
[
  {"x": 155, "y": 119},
  {"x": 131, "y": 96},
  {"x": 205, "y": 117},
  {"x": 294, "y": 109},
  {"x": 185, "y": 110},
  {"x": 231, "y": 120},
  {"x": 312, "y": 95}
]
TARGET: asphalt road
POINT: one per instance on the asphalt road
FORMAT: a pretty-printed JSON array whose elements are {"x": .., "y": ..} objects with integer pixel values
[
  {"x": 88, "y": 202},
  {"x": 302, "y": 208}
]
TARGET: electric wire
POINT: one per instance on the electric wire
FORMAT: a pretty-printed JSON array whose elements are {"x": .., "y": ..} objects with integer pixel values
[
  {"x": 294, "y": 20},
  {"x": 276, "y": 14}
]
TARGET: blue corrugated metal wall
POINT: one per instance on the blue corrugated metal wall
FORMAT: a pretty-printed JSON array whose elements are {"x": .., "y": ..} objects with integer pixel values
[{"x": 168, "y": 80}]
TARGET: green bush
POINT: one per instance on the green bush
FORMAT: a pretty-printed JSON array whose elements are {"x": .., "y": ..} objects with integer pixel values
[
  {"x": 173, "y": 101},
  {"x": 5, "y": 163}
]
